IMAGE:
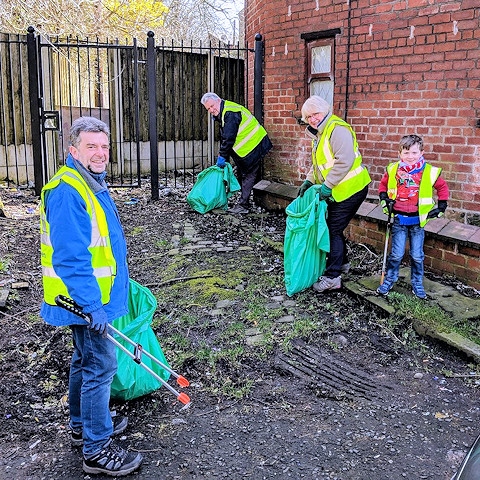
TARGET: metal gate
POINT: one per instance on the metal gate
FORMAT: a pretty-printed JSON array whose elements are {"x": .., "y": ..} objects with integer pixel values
[
  {"x": 150, "y": 98},
  {"x": 75, "y": 78}
]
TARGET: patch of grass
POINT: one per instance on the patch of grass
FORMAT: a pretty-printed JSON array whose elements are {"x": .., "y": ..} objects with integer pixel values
[
  {"x": 214, "y": 286},
  {"x": 431, "y": 315},
  {"x": 51, "y": 384},
  {"x": 237, "y": 390},
  {"x": 303, "y": 328},
  {"x": 4, "y": 264},
  {"x": 137, "y": 231},
  {"x": 233, "y": 334},
  {"x": 163, "y": 244}
]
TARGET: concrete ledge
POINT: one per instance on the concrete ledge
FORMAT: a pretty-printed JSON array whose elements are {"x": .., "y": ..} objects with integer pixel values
[{"x": 273, "y": 195}]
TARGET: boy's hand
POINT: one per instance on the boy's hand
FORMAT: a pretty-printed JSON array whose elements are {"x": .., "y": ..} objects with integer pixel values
[
  {"x": 439, "y": 211},
  {"x": 386, "y": 203},
  {"x": 387, "y": 206}
]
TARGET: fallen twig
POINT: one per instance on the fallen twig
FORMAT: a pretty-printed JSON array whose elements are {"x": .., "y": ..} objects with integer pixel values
[
  {"x": 383, "y": 327},
  {"x": 178, "y": 279}
]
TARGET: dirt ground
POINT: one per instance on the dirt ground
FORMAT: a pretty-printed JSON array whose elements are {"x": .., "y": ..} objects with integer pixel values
[{"x": 312, "y": 386}]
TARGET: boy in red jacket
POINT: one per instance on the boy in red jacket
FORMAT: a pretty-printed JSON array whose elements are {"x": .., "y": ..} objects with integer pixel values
[{"x": 407, "y": 190}]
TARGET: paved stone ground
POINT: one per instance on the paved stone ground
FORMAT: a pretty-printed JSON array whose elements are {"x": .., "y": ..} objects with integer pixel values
[{"x": 447, "y": 297}]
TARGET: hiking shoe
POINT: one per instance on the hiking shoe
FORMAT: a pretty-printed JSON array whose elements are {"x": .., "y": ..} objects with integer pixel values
[
  {"x": 345, "y": 268},
  {"x": 384, "y": 288},
  {"x": 113, "y": 460},
  {"x": 419, "y": 292},
  {"x": 326, "y": 283},
  {"x": 119, "y": 425},
  {"x": 238, "y": 209}
]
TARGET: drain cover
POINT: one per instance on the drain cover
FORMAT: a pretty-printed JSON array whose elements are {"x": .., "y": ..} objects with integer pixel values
[{"x": 327, "y": 375}]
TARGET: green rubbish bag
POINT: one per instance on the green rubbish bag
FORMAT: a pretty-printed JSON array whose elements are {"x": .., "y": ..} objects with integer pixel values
[
  {"x": 306, "y": 241},
  {"x": 213, "y": 188},
  {"x": 131, "y": 379}
]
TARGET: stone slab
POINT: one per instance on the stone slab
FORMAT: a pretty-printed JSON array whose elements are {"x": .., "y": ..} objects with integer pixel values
[
  {"x": 4, "y": 296},
  {"x": 436, "y": 225},
  {"x": 366, "y": 208},
  {"x": 287, "y": 192},
  {"x": 458, "y": 231}
]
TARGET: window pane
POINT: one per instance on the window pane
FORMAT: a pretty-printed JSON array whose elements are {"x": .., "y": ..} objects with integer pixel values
[
  {"x": 321, "y": 59},
  {"x": 323, "y": 88}
]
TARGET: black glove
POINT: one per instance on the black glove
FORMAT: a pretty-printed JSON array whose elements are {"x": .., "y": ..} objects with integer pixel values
[
  {"x": 99, "y": 322},
  {"x": 304, "y": 187},
  {"x": 386, "y": 203},
  {"x": 439, "y": 211}
]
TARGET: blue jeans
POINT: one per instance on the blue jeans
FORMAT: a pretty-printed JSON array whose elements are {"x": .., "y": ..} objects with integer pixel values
[
  {"x": 415, "y": 235},
  {"x": 94, "y": 364},
  {"x": 339, "y": 215}
]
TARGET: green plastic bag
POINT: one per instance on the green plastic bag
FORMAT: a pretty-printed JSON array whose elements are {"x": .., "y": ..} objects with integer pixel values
[
  {"x": 131, "y": 379},
  {"x": 306, "y": 241},
  {"x": 213, "y": 188}
]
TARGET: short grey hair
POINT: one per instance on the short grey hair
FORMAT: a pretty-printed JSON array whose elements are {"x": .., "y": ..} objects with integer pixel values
[
  {"x": 86, "y": 124},
  {"x": 209, "y": 96},
  {"x": 314, "y": 104}
]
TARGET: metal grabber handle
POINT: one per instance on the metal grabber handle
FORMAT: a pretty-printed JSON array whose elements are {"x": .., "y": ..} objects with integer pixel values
[
  {"x": 387, "y": 237},
  {"x": 71, "y": 306}
]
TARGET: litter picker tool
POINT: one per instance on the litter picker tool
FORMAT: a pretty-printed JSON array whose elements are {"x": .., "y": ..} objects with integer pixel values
[
  {"x": 387, "y": 237},
  {"x": 136, "y": 356}
]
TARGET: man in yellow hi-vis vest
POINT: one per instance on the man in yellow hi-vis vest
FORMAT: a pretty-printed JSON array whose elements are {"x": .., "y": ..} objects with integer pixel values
[
  {"x": 337, "y": 167},
  {"x": 243, "y": 139},
  {"x": 84, "y": 256}
]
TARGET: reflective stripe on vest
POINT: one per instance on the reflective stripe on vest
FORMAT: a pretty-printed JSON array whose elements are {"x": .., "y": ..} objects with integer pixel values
[
  {"x": 250, "y": 132},
  {"x": 103, "y": 261},
  {"x": 425, "y": 190},
  {"x": 323, "y": 160}
]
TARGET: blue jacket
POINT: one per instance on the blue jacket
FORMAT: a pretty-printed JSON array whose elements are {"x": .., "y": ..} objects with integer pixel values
[{"x": 70, "y": 230}]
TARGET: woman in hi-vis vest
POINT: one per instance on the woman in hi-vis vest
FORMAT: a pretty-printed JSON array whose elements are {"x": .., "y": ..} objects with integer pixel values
[{"x": 337, "y": 167}]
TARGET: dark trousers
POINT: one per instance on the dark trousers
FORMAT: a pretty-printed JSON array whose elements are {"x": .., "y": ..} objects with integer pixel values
[
  {"x": 339, "y": 216},
  {"x": 247, "y": 181}
]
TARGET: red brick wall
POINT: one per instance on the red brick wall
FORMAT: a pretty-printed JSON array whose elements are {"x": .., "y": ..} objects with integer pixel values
[{"x": 414, "y": 68}]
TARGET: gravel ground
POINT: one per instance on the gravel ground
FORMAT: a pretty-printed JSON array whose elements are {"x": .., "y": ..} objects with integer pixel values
[{"x": 312, "y": 386}]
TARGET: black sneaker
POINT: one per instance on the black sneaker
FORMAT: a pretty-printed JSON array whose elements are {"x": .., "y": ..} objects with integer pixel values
[
  {"x": 119, "y": 425},
  {"x": 113, "y": 460}
]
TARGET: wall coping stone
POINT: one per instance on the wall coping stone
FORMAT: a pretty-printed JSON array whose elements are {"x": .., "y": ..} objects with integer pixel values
[{"x": 266, "y": 193}]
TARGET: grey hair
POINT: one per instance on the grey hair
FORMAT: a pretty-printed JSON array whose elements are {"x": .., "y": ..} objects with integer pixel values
[
  {"x": 314, "y": 104},
  {"x": 408, "y": 141},
  {"x": 209, "y": 96},
  {"x": 86, "y": 124}
]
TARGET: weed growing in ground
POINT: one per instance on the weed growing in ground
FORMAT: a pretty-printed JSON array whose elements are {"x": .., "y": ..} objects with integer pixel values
[{"x": 4, "y": 264}]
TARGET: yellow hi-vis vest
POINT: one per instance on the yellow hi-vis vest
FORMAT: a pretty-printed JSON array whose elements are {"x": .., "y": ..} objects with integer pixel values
[
  {"x": 250, "y": 132},
  {"x": 323, "y": 160},
  {"x": 425, "y": 191},
  {"x": 103, "y": 261}
]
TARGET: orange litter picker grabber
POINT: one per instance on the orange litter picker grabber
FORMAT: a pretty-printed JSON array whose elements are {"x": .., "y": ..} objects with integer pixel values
[{"x": 136, "y": 356}]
